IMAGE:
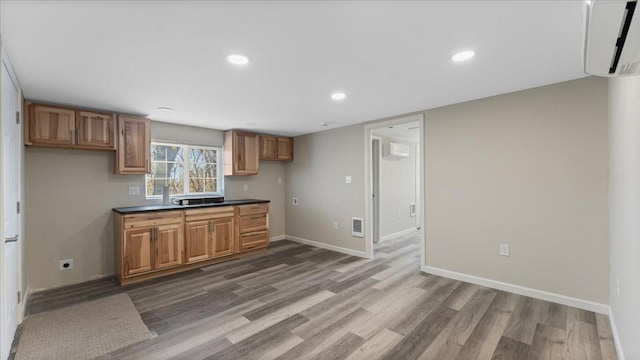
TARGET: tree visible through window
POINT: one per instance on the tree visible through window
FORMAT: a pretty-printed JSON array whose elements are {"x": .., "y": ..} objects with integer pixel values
[{"x": 168, "y": 164}]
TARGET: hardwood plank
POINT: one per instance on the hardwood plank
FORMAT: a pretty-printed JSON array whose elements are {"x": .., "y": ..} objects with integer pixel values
[
  {"x": 509, "y": 349},
  {"x": 549, "y": 343},
  {"x": 449, "y": 342},
  {"x": 379, "y": 345},
  {"x": 341, "y": 348},
  {"x": 607, "y": 346},
  {"x": 419, "y": 339},
  {"x": 484, "y": 339},
  {"x": 583, "y": 341}
]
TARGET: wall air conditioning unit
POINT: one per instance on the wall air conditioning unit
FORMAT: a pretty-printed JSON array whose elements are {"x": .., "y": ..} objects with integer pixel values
[
  {"x": 613, "y": 38},
  {"x": 393, "y": 150}
]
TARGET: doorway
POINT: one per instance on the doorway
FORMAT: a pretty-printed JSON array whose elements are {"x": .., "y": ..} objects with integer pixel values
[
  {"x": 11, "y": 179},
  {"x": 394, "y": 182}
]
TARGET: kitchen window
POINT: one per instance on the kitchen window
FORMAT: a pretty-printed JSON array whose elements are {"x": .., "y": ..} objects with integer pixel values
[{"x": 186, "y": 169}]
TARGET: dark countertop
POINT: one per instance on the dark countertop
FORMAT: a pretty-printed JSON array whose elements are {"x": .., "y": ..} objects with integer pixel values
[{"x": 146, "y": 208}]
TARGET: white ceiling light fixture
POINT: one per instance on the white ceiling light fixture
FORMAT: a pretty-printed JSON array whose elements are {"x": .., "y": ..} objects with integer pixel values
[
  {"x": 238, "y": 59},
  {"x": 338, "y": 96},
  {"x": 463, "y": 55}
]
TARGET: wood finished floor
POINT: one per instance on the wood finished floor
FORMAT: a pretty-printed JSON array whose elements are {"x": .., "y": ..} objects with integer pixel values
[{"x": 301, "y": 302}]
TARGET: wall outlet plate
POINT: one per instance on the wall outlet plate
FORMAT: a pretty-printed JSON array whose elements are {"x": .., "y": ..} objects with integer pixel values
[
  {"x": 347, "y": 179},
  {"x": 134, "y": 190},
  {"x": 66, "y": 265},
  {"x": 504, "y": 249},
  {"x": 245, "y": 187}
]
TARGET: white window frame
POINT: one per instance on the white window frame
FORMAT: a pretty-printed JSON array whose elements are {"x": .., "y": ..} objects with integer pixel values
[{"x": 185, "y": 164}]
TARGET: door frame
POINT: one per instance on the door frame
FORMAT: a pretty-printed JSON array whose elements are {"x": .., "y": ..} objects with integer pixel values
[
  {"x": 368, "y": 182},
  {"x": 375, "y": 227},
  {"x": 5, "y": 61}
]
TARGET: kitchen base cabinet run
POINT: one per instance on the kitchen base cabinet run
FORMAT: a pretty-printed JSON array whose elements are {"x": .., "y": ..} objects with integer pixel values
[{"x": 158, "y": 243}]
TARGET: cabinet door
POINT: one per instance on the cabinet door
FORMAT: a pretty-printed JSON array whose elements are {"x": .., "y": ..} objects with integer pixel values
[
  {"x": 285, "y": 149},
  {"x": 222, "y": 235},
  {"x": 268, "y": 147},
  {"x": 134, "y": 145},
  {"x": 137, "y": 251},
  {"x": 95, "y": 131},
  {"x": 245, "y": 154},
  {"x": 51, "y": 126},
  {"x": 168, "y": 246},
  {"x": 197, "y": 246}
]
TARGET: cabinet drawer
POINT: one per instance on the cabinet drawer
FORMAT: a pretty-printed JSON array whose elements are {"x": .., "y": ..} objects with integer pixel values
[
  {"x": 208, "y": 213},
  {"x": 152, "y": 219},
  {"x": 254, "y": 240},
  {"x": 251, "y": 223},
  {"x": 253, "y": 209}
]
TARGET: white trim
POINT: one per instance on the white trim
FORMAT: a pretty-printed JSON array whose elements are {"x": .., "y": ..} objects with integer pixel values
[
  {"x": 520, "y": 290},
  {"x": 399, "y": 233},
  {"x": 368, "y": 182},
  {"x": 277, "y": 238},
  {"x": 616, "y": 337},
  {"x": 23, "y": 304},
  {"x": 339, "y": 249}
]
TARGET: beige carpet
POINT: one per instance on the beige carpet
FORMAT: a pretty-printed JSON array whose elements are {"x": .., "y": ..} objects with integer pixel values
[{"x": 82, "y": 331}]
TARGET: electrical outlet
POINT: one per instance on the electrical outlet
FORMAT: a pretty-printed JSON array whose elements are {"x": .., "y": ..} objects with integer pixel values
[
  {"x": 335, "y": 225},
  {"x": 504, "y": 249},
  {"x": 295, "y": 201},
  {"x": 399, "y": 215},
  {"x": 618, "y": 287},
  {"x": 279, "y": 180},
  {"x": 66, "y": 265},
  {"x": 134, "y": 190},
  {"x": 347, "y": 179},
  {"x": 245, "y": 187}
]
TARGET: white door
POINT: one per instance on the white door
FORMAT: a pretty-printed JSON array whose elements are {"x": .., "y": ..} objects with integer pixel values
[{"x": 10, "y": 178}]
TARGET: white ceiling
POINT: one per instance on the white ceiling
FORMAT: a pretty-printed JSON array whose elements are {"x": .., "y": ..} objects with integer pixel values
[{"x": 389, "y": 57}]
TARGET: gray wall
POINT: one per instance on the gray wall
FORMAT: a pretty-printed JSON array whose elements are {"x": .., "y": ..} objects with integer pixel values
[
  {"x": 317, "y": 178},
  {"x": 397, "y": 191},
  {"x": 624, "y": 210},
  {"x": 527, "y": 168},
  {"x": 70, "y": 195}
]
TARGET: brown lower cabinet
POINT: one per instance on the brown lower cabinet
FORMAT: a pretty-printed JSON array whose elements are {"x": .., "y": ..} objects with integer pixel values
[{"x": 153, "y": 244}]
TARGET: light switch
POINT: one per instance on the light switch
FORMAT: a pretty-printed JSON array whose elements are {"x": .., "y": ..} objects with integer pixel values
[
  {"x": 347, "y": 180},
  {"x": 245, "y": 187},
  {"x": 134, "y": 190}
]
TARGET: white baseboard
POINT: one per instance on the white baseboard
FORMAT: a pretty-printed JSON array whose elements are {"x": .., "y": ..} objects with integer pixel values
[
  {"x": 520, "y": 290},
  {"x": 399, "y": 233},
  {"x": 277, "y": 238},
  {"x": 327, "y": 246},
  {"x": 616, "y": 337}
]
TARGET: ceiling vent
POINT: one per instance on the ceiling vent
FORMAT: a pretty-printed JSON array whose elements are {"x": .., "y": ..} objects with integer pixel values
[{"x": 613, "y": 38}]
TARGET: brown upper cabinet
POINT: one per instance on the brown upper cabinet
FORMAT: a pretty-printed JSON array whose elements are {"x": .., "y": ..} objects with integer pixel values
[
  {"x": 134, "y": 146},
  {"x": 240, "y": 153},
  {"x": 54, "y": 126},
  {"x": 276, "y": 148}
]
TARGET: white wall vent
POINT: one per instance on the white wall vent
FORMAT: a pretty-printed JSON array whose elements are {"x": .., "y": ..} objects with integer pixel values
[
  {"x": 357, "y": 228},
  {"x": 395, "y": 150}
]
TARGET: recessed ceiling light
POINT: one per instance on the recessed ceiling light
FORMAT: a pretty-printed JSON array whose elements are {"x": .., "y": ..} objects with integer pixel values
[
  {"x": 463, "y": 56},
  {"x": 326, "y": 123},
  {"x": 337, "y": 96},
  {"x": 588, "y": 2},
  {"x": 238, "y": 59}
]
